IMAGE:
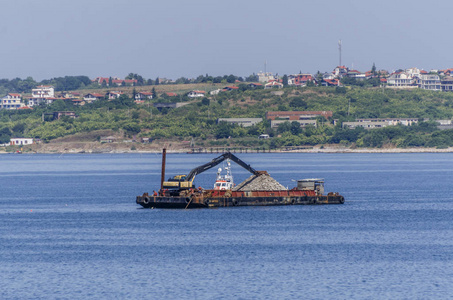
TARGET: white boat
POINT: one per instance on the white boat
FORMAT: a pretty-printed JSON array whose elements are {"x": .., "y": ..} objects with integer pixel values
[{"x": 224, "y": 182}]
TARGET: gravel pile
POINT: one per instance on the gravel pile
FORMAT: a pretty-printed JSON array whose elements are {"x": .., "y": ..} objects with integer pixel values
[{"x": 259, "y": 183}]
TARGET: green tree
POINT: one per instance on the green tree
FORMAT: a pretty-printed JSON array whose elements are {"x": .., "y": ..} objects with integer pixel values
[
  {"x": 295, "y": 128},
  {"x": 223, "y": 130},
  {"x": 205, "y": 101},
  {"x": 298, "y": 102},
  {"x": 285, "y": 80},
  {"x": 231, "y": 78}
]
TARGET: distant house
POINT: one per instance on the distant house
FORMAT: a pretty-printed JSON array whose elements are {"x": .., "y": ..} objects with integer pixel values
[
  {"x": 58, "y": 114},
  {"x": 328, "y": 76},
  {"x": 265, "y": 76},
  {"x": 330, "y": 82},
  {"x": 91, "y": 97},
  {"x": 113, "y": 95},
  {"x": 405, "y": 79},
  {"x": 20, "y": 141},
  {"x": 215, "y": 92},
  {"x": 123, "y": 82},
  {"x": 115, "y": 81},
  {"x": 303, "y": 122},
  {"x": 429, "y": 82},
  {"x": 273, "y": 84},
  {"x": 196, "y": 94},
  {"x": 379, "y": 122},
  {"x": 447, "y": 84},
  {"x": 42, "y": 94},
  {"x": 68, "y": 95},
  {"x": 340, "y": 71},
  {"x": 143, "y": 96},
  {"x": 11, "y": 101},
  {"x": 297, "y": 115},
  {"x": 43, "y": 91},
  {"x": 304, "y": 118},
  {"x": 230, "y": 88},
  {"x": 255, "y": 85},
  {"x": 171, "y": 94},
  {"x": 356, "y": 74},
  {"x": 300, "y": 79},
  {"x": 244, "y": 122},
  {"x": 78, "y": 102}
]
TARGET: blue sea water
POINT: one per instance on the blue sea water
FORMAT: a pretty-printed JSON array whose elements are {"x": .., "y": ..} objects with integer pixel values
[{"x": 70, "y": 229}]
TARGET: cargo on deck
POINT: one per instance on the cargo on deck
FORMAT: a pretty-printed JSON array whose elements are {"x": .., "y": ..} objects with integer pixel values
[{"x": 260, "y": 189}]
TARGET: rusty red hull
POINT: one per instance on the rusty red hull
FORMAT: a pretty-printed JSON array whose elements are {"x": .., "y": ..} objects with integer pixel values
[{"x": 215, "y": 198}]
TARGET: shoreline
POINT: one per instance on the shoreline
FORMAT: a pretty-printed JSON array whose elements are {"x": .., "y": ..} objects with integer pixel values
[{"x": 157, "y": 150}]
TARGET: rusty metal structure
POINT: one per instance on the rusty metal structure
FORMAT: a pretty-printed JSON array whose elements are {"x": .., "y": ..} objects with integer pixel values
[{"x": 180, "y": 193}]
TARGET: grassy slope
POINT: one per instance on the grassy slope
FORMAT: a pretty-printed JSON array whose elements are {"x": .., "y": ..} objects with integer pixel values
[{"x": 196, "y": 120}]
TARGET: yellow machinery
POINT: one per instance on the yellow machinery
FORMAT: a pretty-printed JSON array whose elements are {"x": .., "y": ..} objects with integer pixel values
[{"x": 184, "y": 182}]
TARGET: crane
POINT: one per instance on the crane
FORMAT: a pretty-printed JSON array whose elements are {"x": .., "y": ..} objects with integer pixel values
[{"x": 184, "y": 182}]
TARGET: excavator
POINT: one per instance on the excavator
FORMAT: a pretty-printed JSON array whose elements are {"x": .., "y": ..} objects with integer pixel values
[{"x": 180, "y": 183}]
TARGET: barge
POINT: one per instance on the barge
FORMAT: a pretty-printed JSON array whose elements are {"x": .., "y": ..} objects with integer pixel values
[{"x": 179, "y": 191}]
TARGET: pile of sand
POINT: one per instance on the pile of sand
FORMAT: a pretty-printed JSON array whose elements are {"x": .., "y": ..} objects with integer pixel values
[{"x": 259, "y": 183}]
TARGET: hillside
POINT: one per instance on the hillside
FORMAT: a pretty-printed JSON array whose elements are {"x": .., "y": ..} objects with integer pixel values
[{"x": 196, "y": 122}]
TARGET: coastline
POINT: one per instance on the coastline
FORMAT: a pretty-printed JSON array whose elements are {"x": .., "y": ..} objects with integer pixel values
[{"x": 112, "y": 148}]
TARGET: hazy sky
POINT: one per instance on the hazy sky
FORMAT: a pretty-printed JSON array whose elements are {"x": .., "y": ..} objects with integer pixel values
[{"x": 52, "y": 38}]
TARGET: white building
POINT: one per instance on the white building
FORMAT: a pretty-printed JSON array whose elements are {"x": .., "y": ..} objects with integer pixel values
[
  {"x": 429, "y": 82},
  {"x": 401, "y": 80},
  {"x": 380, "y": 122},
  {"x": 143, "y": 96},
  {"x": 20, "y": 141},
  {"x": 43, "y": 91},
  {"x": 114, "y": 95},
  {"x": 91, "y": 97},
  {"x": 303, "y": 123},
  {"x": 243, "y": 122},
  {"x": 273, "y": 84},
  {"x": 265, "y": 76},
  {"x": 215, "y": 92},
  {"x": 196, "y": 94},
  {"x": 42, "y": 94},
  {"x": 11, "y": 101}
]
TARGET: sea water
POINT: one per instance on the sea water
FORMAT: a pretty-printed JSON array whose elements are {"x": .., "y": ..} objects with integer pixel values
[{"x": 70, "y": 229}]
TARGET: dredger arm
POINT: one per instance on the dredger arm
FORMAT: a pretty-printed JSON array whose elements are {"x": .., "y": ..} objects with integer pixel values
[{"x": 218, "y": 160}]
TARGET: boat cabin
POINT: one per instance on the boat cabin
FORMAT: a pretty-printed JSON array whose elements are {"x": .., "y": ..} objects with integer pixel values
[
  {"x": 224, "y": 182},
  {"x": 311, "y": 184}
]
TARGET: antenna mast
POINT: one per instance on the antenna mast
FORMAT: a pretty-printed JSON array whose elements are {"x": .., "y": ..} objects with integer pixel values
[{"x": 339, "y": 48}]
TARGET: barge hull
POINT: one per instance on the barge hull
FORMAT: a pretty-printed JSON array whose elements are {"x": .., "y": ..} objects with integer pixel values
[{"x": 214, "y": 202}]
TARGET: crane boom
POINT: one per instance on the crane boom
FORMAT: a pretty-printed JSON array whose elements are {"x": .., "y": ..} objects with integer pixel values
[
  {"x": 181, "y": 182},
  {"x": 218, "y": 160}
]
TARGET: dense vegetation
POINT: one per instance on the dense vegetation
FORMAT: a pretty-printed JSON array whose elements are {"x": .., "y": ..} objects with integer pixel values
[{"x": 197, "y": 119}]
